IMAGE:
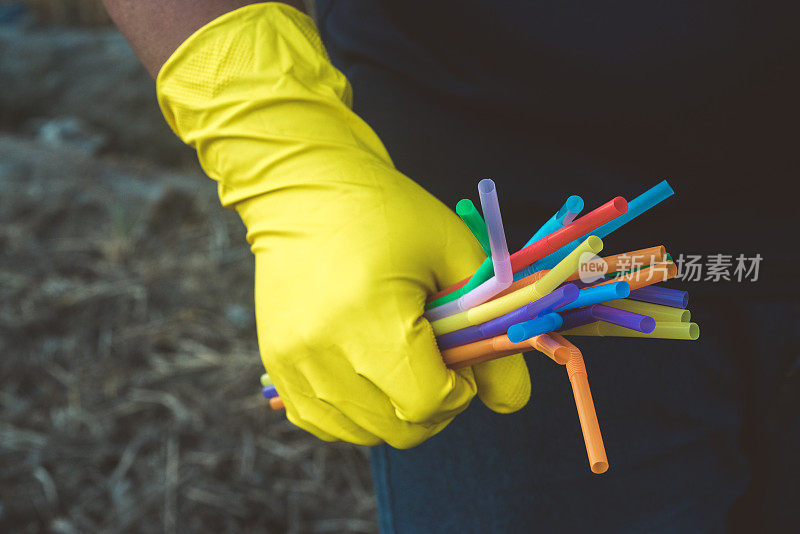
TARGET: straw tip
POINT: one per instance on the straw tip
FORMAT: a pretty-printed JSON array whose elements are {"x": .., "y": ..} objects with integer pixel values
[
  {"x": 647, "y": 325},
  {"x": 694, "y": 331},
  {"x": 570, "y": 291},
  {"x": 598, "y": 468},
  {"x": 594, "y": 243},
  {"x": 561, "y": 355},
  {"x": 620, "y": 204},
  {"x": 486, "y": 186},
  {"x": 574, "y": 204},
  {"x": 667, "y": 188},
  {"x": 622, "y": 289},
  {"x": 516, "y": 333},
  {"x": 464, "y": 205}
]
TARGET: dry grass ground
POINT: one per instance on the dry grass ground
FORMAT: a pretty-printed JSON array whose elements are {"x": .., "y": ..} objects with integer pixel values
[
  {"x": 129, "y": 397},
  {"x": 78, "y": 12}
]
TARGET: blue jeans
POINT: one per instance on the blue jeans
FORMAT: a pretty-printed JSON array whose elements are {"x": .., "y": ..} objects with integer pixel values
[{"x": 701, "y": 437}]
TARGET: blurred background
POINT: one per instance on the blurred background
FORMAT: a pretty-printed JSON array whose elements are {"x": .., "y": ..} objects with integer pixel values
[{"x": 129, "y": 394}]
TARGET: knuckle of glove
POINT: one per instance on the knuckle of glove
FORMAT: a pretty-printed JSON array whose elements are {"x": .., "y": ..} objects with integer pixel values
[{"x": 422, "y": 410}]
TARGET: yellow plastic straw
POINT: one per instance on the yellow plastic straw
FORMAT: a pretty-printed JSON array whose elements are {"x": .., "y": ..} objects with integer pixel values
[
  {"x": 666, "y": 314},
  {"x": 500, "y": 306},
  {"x": 664, "y": 330}
]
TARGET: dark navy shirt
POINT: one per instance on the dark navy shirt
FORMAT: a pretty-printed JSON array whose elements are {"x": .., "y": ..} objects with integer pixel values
[{"x": 702, "y": 93}]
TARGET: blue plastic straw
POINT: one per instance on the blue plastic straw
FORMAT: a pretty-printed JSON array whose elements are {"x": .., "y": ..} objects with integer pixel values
[
  {"x": 541, "y": 325},
  {"x": 598, "y": 295},
  {"x": 636, "y": 207}
]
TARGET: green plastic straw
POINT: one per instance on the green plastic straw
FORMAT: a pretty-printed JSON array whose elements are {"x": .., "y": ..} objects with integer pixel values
[
  {"x": 469, "y": 214},
  {"x": 484, "y": 272}
]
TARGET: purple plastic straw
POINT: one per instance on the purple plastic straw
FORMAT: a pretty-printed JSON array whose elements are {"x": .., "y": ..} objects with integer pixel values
[
  {"x": 661, "y": 295},
  {"x": 501, "y": 259},
  {"x": 495, "y": 327},
  {"x": 577, "y": 317},
  {"x": 634, "y": 321}
]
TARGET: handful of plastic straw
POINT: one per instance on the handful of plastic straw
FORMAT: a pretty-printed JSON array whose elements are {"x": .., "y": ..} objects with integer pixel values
[{"x": 516, "y": 302}]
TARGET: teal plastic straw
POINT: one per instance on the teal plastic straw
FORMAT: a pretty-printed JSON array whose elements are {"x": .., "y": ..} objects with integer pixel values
[
  {"x": 469, "y": 214},
  {"x": 565, "y": 215},
  {"x": 636, "y": 207},
  {"x": 562, "y": 217}
]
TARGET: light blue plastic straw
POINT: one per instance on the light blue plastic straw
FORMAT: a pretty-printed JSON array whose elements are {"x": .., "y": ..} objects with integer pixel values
[
  {"x": 636, "y": 207},
  {"x": 598, "y": 295},
  {"x": 501, "y": 259}
]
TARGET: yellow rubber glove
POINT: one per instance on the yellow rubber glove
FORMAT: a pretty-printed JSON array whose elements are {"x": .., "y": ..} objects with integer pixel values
[{"x": 347, "y": 248}]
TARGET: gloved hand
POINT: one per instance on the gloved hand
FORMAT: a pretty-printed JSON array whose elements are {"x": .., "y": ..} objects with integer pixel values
[{"x": 347, "y": 248}]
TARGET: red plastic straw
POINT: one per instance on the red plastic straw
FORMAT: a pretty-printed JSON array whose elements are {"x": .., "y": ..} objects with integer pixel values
[{"x": 563, "y": 236}]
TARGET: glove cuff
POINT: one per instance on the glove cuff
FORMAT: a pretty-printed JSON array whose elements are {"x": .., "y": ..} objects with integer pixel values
[{"x": 255, "y": 94}]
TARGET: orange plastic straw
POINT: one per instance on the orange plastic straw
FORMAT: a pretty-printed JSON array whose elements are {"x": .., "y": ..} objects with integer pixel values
[
  {"x": 576, "y": 370},
  {"x": 498, "y": 347},
  {"x": 658, "y": 272},
  {"x": 489, "y": 349},
  {"x": 546, "y": 344},
  {"x": 484, "y": 358},
  {"x": 624, "y": 261}
]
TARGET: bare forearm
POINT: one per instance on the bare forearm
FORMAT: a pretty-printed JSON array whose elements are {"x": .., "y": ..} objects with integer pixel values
[{"x": 155, "y": 28}]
